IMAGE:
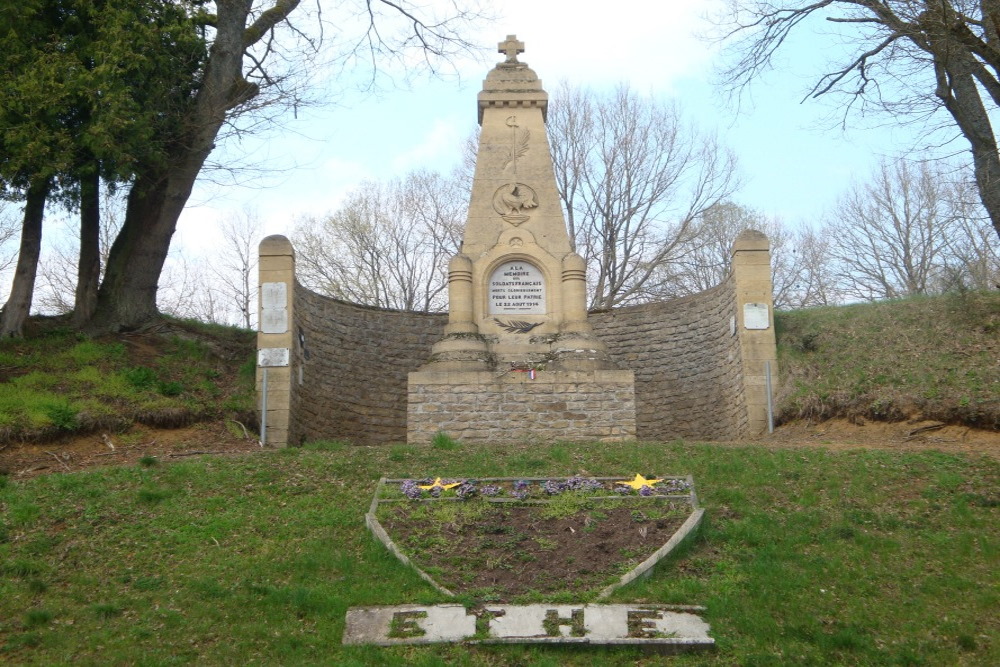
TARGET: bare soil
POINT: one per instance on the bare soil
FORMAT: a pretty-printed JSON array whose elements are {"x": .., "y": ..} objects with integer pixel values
[
  {"x": 904, "y": 436},
  {"x": 514, "y": 550},
  {"x": 23, "y": 460}
]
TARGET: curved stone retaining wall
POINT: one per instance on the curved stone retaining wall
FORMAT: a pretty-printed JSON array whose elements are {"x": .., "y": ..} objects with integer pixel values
[
  {"x": 355, "y": 360},
  {"x": 686, "y": 360},
  {"x": 354, "y": 364},
  {"x": 339, "y": 370}
]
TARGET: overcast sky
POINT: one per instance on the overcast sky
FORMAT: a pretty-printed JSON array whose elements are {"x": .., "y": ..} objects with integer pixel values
[{"x": 794, "y": 163}]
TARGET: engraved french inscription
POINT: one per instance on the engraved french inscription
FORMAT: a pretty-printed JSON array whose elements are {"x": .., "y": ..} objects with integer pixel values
[{"x": 517, "y": 287}]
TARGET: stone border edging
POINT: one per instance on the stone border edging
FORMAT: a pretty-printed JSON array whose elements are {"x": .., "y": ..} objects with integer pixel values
[
  {"x": 378, "y": 531},
  {"x": 690, "y": 525},
  {"x": 645, "y": 567}
]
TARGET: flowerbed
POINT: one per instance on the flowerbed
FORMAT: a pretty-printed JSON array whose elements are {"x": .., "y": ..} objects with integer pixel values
[{"x": 503, "y": 540}]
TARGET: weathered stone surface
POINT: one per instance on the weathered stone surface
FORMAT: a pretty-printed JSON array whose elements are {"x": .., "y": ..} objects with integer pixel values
[
  {"x": 652, "y": 625},
  {"x": 485, "y": 407}
]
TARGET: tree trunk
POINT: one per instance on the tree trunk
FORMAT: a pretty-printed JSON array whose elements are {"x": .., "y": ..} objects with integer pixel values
[
  {"x": 956, "y": 88},
  {"x": 127, "y": 296},
  {"x": 89, "y": 268},
  {"x": 15, "y": 311}
]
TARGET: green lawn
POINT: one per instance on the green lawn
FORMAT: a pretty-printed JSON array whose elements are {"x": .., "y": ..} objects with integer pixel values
[{"x": 806, "y": 557}]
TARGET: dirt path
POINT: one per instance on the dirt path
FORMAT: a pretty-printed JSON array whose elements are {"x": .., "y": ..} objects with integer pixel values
[
  {"x": 21, "y": 461},
  {"x": 916, "y": 435}
]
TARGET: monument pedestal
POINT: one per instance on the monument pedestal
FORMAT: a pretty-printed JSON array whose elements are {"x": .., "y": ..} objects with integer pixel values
[
  {"x": 483, "y": 406},
  {"x": 518, "y": 359}
]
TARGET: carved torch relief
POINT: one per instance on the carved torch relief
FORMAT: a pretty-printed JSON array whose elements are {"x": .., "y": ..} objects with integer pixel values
[{"x": 512, "y": 199}]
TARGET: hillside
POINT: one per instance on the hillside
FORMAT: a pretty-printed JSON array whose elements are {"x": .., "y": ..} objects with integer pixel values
[
  {"x": 932, "y": 358},
  {"x": 182, "y": 387}
]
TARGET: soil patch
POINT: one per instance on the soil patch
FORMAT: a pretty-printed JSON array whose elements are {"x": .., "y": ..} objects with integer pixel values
[
  {"x": 72, "y": 454},
  {"x": 499, "y": 551},
  {"x": 910, "y": 435}
]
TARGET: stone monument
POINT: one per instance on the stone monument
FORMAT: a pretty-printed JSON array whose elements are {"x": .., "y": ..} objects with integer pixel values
[{"x": 518, "y": 357}]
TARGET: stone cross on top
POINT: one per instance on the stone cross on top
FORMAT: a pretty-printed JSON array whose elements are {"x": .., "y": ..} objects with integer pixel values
[{"x": 511, "y": 47}]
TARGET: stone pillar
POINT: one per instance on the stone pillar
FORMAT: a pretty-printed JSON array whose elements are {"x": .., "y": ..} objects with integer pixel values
[
  {"x": 754, "y": 321},
  {"x": 275, "y": 337},
  {"x": 460, "y": 296},
  {"x": 574, "y": 278}
]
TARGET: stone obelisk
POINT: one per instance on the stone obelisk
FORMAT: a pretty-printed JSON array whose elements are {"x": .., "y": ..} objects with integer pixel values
[{"x": 517, "y": 291}]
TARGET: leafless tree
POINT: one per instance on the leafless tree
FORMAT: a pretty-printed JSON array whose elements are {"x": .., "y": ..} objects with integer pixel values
[
  {"x": 188, "y": 290},
  {"x": 235, "y": 264},
  {"x": 633, "y": 178},
  {"x": 389, "y": 244},
  {"x": 800, "y": 274},
  {"x": 814, "y": 283},
  {"x": 258, "y": 54},
  {"x": 9, "y": 228},
  {"x": 889, "y": 236},
  {"x": 973, "y": 250},
  {"x": 913, "y": 59}
]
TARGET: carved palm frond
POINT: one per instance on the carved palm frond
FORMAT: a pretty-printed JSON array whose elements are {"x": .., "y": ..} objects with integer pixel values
[
  {"x": 517, "y": 326},
  {"x": 519, "y": 148}
]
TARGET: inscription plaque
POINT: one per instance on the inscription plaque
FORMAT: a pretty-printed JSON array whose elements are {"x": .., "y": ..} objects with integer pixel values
[
  {"x": 755, "y": 316},
  {"x": 272, "y": 356},
  {"x": 274, "y": 309},
  {"x": 517, "y": 287}
]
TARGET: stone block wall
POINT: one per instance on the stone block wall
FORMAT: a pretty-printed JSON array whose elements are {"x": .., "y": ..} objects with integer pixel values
[
  {"x": 354, "y": 361},
  {"x": 485, "y": 407},
  {"x": 686, "y": 357},
  {"x": 698, "y": 369}
]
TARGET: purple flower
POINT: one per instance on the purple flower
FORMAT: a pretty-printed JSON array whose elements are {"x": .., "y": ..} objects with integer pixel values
[
  {"x": 465, "y": 491},
  {"x": 622, "y": 489},
  {"x": 552, "y": 487},
  {"x": 646, "y": 491},
  {"x": 520, "y": 495},
  {"x": 410, "y": 489},
  {"x": 675, "y": 486},
  {"x": 436, "y": 491},
  {"x": 490, "y": 490},
  {"x": 521, "y": 485},
  {"x": 578, "y": 483}
]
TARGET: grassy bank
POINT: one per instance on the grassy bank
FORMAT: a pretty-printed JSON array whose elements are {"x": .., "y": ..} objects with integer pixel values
[
  {"x": 938, "y": 358},
  {"x": 807, "y": 557},
  {"x": 57, "y": 381},
  {"x": 933, "y": 357}
]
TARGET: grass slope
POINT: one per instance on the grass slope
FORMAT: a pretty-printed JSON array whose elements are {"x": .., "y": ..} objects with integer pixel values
[
  {"x": 937, "y": 357},
  {"x": 58, "y": 381},
  {"x": 807, "y": 557},
  {"x": 933, "y": 357}
]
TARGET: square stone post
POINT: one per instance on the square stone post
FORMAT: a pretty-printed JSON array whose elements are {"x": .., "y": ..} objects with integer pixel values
[
  {"x": 754, "y": 321},
  {"x": 275, "y": 338}
]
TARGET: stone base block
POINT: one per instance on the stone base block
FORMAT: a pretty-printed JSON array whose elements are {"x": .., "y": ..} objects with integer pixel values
[{"x": 479, "y": 407}]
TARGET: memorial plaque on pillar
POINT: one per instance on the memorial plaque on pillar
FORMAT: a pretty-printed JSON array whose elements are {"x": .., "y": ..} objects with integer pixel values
[
  {"x": 755, "y": 316},
  {"x": 517, "y": 287}
]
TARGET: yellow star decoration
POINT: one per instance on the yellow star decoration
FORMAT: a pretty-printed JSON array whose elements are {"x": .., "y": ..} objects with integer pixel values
[
  {"x": 641, "y": 481},
  {"x": 438, "y": 482}
]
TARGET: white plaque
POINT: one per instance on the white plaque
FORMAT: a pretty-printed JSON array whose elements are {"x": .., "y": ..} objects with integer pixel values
[
  {"x": 272, "y": 356},
  {"x": 517, "y": 288},
  {"x": 273, "y": 308},
  {"x": 273, "y": 321},
  {"x": 755, "y": 316},
  {"x": 273, "y": 296}
]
